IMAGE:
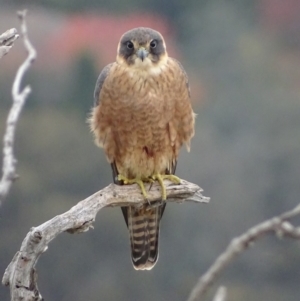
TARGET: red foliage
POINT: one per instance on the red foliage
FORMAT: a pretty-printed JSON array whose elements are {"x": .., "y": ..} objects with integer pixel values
[
  {"x": 279, "y": 14},
  {"x": 100, "y": 35}
]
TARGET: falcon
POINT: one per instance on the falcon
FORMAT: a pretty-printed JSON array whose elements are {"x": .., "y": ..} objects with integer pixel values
[{"x": 141, "y": 118}]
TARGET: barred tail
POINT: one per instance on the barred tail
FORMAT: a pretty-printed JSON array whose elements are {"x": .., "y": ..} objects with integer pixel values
[{"x": 143, "y": 226}]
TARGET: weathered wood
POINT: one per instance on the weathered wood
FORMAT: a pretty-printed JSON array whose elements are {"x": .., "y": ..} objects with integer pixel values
[{"x": 21, "y": 275}]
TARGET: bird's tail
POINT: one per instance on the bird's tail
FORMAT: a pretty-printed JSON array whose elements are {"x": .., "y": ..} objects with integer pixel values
[{"x": 143, "y": 226}]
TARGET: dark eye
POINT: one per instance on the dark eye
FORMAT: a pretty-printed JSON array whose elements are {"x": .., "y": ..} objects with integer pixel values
[
  {"x": 153, "y": 44},
  {"x": 129, "y": 45}
]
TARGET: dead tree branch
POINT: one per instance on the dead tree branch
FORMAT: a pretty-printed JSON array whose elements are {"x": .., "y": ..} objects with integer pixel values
[
  {"x": 221, "y": 294},
  {"x": 21, "y": 275},
  {"x": 7, "y": 40},
  {"x": 19, "y": 97},
  {"x": 278, "y": 224}
]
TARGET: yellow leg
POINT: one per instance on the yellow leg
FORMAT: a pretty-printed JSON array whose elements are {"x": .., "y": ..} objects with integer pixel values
[
  {"x": 160, "y": 178},
  {"x": 140, "y": 182}
]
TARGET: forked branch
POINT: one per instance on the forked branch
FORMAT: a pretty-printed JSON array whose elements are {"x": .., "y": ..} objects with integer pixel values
[
  {"x": 278, "y": 225},
  {"x": 21, "y": 275},
  {"x": 19, "y": 97}
]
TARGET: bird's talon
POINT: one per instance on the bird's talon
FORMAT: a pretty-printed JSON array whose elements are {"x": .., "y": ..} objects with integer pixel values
[
  {"x": 160, "y": 178},
  {"x": 137, "y": 181}
]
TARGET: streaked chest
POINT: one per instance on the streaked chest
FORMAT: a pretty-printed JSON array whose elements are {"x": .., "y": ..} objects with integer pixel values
[{"x": 143, "y": 85}]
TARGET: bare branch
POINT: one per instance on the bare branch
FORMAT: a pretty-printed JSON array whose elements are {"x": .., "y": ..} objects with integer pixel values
[
  {"x": 21, "y": 275},
  {"x": 7, "y": 40},
  {"x": 277, "y": 224},
  {"x": 19, "y": 98},
  {"x": 221, "y": 294}
]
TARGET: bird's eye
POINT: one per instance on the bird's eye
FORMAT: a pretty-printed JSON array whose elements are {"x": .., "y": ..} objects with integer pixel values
[
  {"x": 153, "y": 44},
  {"x": 129, "y": 45}
]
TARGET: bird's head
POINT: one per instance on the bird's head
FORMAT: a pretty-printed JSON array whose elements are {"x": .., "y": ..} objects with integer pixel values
[{"x": 142, "y": 48}]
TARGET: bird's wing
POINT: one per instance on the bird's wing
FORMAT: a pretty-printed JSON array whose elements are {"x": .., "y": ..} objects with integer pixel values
[
  {"x": 184, "y": 74},
  {"x": 100, "y": 81}
]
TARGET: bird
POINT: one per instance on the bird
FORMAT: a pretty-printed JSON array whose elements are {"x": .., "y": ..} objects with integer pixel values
[{"x": 142, "y": 115}]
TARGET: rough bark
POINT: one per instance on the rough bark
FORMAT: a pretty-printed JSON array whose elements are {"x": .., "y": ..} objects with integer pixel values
[{"x": 21, "y": 275}]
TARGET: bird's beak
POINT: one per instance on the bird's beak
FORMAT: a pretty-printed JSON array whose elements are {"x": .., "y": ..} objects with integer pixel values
[{"x": 142, "y": 53}]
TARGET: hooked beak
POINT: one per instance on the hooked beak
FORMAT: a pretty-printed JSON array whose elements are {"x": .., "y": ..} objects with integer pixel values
[{"x": 142, "y": 53}]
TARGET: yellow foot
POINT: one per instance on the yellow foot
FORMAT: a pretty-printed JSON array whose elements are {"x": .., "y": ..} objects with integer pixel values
[
  {"x": 160, "y": 178},
  {"x": 140, "y": 182}
]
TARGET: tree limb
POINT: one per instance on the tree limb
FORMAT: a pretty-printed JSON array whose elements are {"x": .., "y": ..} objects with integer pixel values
[
  {"x": 277, "y": 224},
  {"x": 19, "y": 97},
  {"x": 7, "y": 40},
  {"x": 221, "y": 294},
  {"x": 21, "y": 275}
]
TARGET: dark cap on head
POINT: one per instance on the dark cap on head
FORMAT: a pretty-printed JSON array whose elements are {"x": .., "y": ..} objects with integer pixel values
[{"x": 141, "y": 35}]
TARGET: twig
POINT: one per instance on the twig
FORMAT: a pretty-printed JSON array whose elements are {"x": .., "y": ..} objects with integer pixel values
[
  {"x": 7, "y": 40},
  {"x": 221, "y": 294},
  {"x": 277, "y": 224},
  {"x": 19, "y": 97},
  {"x": 21, "y": 275}
]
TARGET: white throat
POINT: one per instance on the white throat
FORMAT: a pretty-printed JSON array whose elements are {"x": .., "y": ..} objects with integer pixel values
[{"x": 147, "y": 67}]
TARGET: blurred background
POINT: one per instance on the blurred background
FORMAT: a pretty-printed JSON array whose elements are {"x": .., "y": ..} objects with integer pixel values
[{"x": 243, "y": 60}]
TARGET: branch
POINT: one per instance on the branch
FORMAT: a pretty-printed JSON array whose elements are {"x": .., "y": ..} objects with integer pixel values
[
  {"x": 21, "y": 275},
  {"x": 277, "y": 224},
  {"x": 19, "y": 97},
  {"x": 221, "y": 294},
  {"x": 7, "y": 40}
]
